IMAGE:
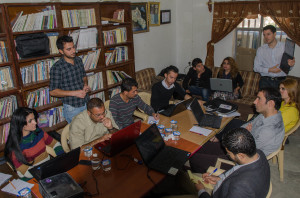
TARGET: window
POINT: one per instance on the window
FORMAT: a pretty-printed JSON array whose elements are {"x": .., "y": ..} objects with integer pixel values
[{"x": 249, "y": 37}]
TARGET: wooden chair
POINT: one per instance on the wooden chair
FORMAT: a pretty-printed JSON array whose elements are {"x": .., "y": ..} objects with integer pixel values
[
  {"x": 279, "y": 154},
  {"x": 65, "y": 136}
]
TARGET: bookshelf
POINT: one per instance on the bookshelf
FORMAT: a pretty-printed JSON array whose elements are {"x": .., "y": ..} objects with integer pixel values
[{"x": 30, "y": 76}]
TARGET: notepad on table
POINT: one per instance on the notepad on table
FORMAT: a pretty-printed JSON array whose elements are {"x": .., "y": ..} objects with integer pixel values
[
  {"x": 200, "y": 130},
  {"x": 15, "y": 186},
  {"x": 194, "y": 178},
  {"x": 4, "y": 178}
]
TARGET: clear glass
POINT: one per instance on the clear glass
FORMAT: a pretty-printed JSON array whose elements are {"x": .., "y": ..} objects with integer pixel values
[
  {"x": 96, "y": 163},
  {"x": 88, "y": 151}
]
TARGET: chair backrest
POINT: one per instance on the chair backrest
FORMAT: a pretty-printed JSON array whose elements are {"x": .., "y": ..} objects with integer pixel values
[
  {"x": 50, "y": 151},
  {"x": 146, "y": 97},
  {"x": 289, "y": 132},
  {"x": 65, "y": 136},
  {"x": 106, "y": 104},
  {"x": 274, "y": 153}
]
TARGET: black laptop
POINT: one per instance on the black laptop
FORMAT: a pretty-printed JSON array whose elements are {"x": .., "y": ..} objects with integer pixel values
[
  {"x": 59, "y": 164},
  {"x": 156, "y": 155},
  {"x": 205, "y": 120},
  {"x": 288, "y": 54},
  {"x": 174, "y": 109}
]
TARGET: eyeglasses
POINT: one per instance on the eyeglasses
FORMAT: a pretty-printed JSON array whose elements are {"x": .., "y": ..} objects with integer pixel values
[{"x": 100, "y": 114}]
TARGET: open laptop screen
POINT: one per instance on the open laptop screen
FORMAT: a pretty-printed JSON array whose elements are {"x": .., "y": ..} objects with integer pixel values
[{"x": 150, "y": 143}]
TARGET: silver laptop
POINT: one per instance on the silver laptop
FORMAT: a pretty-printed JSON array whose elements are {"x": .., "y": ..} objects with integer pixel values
[{"x": 220, "y": 84}]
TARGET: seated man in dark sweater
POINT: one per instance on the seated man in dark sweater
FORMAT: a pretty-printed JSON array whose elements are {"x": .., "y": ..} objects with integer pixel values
[
  {"x": 123, "y": 105},
  {"x": 164, "y": 90},
  {"x": 197, "y": 80},
  {"x": 250, "y": 177}
]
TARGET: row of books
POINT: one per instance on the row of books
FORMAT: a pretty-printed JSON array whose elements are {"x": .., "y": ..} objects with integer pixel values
[
  {"x": 119, "y": 14},
  {"x": 36, "y": 21},
  {"x": 78, "y": 18},
  {"x": 4, "y": 131},
  {"x": 5, "y": 78},
  {"x": 84, "y": 38},
  {"x": 3, "y": 53},
  {"x": 37, "y": 71},
  {"x": 7, "y": 106},
  {"x": 95, "y": 81},
  {"x": 115, "y": 55},
  {"x": 114, "y": 91},
  {"x": 51, "y": 117},
  {"x": 39, "y": 98},
  {"x": 90, "y": 59},
  {"x": 115, "y": 76},
  {"x": 99, "y": 95},
  {"x": 114, "y": 36}
]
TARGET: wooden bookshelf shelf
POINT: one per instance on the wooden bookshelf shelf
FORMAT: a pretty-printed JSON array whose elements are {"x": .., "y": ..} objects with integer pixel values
[
  {"x": 37, "y": 31},
  {"x": 9, "y": 14}
]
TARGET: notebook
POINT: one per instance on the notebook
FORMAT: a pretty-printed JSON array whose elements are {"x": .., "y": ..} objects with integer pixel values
[
  {"x": 288, "y": 54},
  {"x": 120, "y": 140},
  {"x": 59, "y": 164},
  {"x": 156, "y": 155},
  {"x": 221, "y": 84},
  {"x": 174, "y": 109},
  {"x": 205, "y": 120}
]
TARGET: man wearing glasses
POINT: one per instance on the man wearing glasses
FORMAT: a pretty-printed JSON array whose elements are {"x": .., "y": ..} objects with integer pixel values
[{"x": 92, "y": 126}]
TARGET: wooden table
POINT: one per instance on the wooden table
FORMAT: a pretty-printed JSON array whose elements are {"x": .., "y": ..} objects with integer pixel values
[{"x": 186, "y": 120}]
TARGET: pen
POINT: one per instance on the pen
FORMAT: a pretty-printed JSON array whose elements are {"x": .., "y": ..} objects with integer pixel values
[
  {"x": 213, "y": 172},
  {"x": 12, "y": 184}
]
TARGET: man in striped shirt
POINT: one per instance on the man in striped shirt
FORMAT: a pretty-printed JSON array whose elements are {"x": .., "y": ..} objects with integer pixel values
[{"x": 125, "y": 103}]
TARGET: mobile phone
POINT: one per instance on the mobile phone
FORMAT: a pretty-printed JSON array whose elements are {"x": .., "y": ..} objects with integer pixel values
[{"x": 85, "y": 162}]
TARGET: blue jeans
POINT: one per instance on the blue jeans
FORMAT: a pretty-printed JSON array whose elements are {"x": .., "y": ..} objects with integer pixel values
[
  {"x": 70, "y": 111},
  {"x": 200, "y": 91}
]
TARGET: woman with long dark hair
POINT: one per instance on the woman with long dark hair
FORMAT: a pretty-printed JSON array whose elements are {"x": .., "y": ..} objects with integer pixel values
[{"x": 26, "y": 142}]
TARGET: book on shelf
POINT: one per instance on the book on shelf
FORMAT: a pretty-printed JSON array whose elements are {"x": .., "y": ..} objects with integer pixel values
[
  {"x": 53, "y": 36},
  {"x": 114, "y": 91},
  {"x": 7, "y": 106},
  {"x": 115, "y": 76},
  {"x": 4, "y": 131},
  {"x": 3, "y": 52},
  {"x": 5, "y": 78},
  {"x": 99, "y": 95},
  {"x": 119, "y": 14},
  {"x": 78, "y": 18},
  {"x": 95, "y": 81},
  {"x": 115, "y": 55},
  {"x": 39, "y": 98},
  {"x": 37, "y": 71},
  {"x": 115, "y": 36},
  {"x": 84, "y": 38},
  {"x": 35, "y": 21},
  {"x": 51, "y": 117},
  {"x": 90, "y": 59}
]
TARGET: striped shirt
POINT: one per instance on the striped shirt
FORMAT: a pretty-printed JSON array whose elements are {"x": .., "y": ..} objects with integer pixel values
[
  {"x": 33, "y": 147},
  {"x": 122, "y": 112}
]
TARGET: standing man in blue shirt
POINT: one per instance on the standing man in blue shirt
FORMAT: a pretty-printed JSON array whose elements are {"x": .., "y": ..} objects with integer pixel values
[
  {"x": 268, "y": 58},
  {"x": 68, "y": 79}
]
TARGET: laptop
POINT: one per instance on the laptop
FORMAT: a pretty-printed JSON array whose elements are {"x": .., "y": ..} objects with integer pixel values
[
  {"x": 174, "y": 109},
  {"x": 205, "y": 120},
  {"x": 120, "y": 140},
  {"x": 288, "y": 54},
  {"x": 57, "y": 165},
  {"x": 221, "y": 84},
  {"x": 156, "y": 155}
]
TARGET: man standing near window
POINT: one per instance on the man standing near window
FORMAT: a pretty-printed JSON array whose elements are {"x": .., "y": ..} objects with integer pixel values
[
  {"x": 68, "y": 79},
  {"x": 268, "y": 58}
]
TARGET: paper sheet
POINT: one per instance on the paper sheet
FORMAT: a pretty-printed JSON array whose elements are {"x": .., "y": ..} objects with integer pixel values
[
  {"x": 196, "y": 178},
  {"x": 4, "y": 178},
  {"x": 19, "y": 184},
  {"x": 151, "y": 120},
  {"x": 200, "y": 130}
]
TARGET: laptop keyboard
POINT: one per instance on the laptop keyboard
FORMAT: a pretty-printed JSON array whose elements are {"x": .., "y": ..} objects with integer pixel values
[{"x": 211, "y": 121}]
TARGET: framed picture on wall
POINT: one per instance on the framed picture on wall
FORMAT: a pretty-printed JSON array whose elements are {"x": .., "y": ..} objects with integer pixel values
[
  {"x": 165, "y": 16},
  {"x": 154, "y": 12},
  {"x": 139, "y": 13}
]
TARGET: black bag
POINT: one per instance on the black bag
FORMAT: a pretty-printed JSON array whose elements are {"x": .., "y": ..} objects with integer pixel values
[{"x": 32, "y": 45}]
